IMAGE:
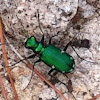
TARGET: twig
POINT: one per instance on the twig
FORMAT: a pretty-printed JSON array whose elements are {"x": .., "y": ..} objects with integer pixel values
[
  {"x": 95, "y": 97},
  {"x": 13, "y": 49},
  {"x": 3, "y": 89},
  {"x": 22, "y": 59},
  {"x": 6, "y": 61}
]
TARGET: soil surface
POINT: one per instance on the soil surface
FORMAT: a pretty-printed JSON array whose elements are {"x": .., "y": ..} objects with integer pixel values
[{"x": 66, "y": 20}]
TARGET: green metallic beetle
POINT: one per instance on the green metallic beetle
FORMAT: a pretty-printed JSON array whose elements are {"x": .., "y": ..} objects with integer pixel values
[{"x": 52, "y": 56}]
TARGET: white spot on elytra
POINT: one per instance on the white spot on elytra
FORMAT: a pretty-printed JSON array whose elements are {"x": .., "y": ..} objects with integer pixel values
[
  {"x": 25, "y": 40},
  {"x": 71, "y": 58},
  {"x": 71, "y": 70},
  {"x": 62, "y": 51},
  {"x": 73, "y": 66},
  {"x": 63, "y": 71},
  {"x": 53, "y": 67}
]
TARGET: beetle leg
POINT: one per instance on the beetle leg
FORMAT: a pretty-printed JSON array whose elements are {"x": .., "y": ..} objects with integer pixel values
[
  {"x": 54, "y": 36},
  {"x": 34, "y": 65},
  {"x": 51, "y": 70},
  {"x": 42, "y": 40},
  {"x": 32, "y": 73},
  {"x": 37, "y": 61},
  {"x": 69, "y": 43},
  {"x": 81, "y": 57},
  {"x": 22, "y": 60},
  {"x": 50, "y": 40},
  {"x": 55, "y": 77},
  {"x": 65, "y": 48}
]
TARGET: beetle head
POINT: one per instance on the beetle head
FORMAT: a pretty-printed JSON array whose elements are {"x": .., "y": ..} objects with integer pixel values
[{"x": 31, "y": 43}]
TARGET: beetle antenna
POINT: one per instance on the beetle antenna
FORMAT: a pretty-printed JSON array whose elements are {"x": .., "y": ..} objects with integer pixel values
[{"x": 39, "y": 22}]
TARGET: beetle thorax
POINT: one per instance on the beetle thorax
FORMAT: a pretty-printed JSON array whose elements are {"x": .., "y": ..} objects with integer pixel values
[{"x": 39, "y": 49}]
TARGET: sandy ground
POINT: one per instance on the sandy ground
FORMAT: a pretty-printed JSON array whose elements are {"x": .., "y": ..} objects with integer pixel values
[{"x": 68, "y": 18}]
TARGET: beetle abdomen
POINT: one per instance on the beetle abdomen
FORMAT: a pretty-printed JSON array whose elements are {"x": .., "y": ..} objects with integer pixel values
[{"x": 53, "y": 56}]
